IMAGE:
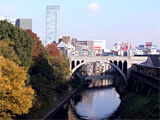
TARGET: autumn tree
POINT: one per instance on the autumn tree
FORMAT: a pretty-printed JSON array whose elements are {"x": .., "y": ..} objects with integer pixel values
[
  {"x": 38, "y": 50},
  {"x": 16, "y": 97},
  {"x": 53, "y": 50},
  {"x": 7, "y": 50}
]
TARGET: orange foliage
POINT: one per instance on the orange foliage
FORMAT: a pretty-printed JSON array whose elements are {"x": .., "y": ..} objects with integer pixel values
[
  {"x": 53, "y": 50},
  {"x": 37, "y": 48},
  {"x": 16, "y": 97}
]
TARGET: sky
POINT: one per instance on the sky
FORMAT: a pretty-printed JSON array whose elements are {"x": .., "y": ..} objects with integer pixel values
[{"x": 132, "y": 21}]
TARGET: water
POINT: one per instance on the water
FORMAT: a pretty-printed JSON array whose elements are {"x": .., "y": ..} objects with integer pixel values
[{"x": 91, "y": 103}]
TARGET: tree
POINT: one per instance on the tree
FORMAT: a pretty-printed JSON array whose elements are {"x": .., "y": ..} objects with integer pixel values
[
  {"x": 16, "y": 97},
  {"x": 53, "y": 50},
  {"x": 23, "y": 43},
  {"x": 8, "y": 52},
  {"x": 61, "y": 68},
  {"x": 38, "y": 51}
]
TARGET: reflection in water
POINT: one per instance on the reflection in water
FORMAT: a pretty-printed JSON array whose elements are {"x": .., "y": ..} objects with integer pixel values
[
  {"x": 100, "y": 83},
  {"x": 97, "y": 103}
]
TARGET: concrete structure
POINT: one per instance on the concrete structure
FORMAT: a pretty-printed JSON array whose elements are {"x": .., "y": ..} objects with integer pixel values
[
  {"x": 67, "y": 49},
  {"x": 66, "y": 39},
  {"x": 99, "y": 46},
  {"x": 123, "y": 63},
  {"x": 24, "y": 23},
  {"x": 147, "y": 74},
  {"x": 74, "y": 41},
  {"x": 84, "y": 47},
  {"x": 52, "y": 24},
  {"x": 21, "y": 23}
]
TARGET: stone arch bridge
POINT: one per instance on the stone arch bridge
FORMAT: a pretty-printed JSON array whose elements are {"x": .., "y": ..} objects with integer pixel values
[{"x": 121, "y": 63}]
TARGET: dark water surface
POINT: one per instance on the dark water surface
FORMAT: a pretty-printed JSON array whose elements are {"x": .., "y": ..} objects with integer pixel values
[{"x": 91, "y": 103}]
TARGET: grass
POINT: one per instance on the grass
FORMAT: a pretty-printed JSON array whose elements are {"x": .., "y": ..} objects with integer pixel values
[{"x": 138, "y": 106}]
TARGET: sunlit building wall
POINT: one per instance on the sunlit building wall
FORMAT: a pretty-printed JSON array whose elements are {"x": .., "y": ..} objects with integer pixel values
[{"x": 52, "y": 24}]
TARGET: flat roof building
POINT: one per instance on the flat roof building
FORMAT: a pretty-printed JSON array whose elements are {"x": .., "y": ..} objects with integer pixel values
[
  {"x": 21, "y": 23},
  {"x": 52, "y": 24},
  {"x": 24, "y": 23}
]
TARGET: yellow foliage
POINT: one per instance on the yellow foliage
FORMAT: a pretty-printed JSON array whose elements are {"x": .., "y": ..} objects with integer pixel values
[{"x": 15, "y": 96}]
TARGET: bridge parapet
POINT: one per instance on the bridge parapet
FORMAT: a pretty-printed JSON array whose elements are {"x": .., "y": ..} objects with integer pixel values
[{"x": 153, "y": 72}]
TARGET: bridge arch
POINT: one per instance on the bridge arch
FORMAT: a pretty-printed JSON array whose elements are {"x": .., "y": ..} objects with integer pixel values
[
  {"x": 120, "y": 64},
  {"x": 125, "y": 67},
  {"x": 112, "y": 64},
  {"x": 78, "y": 62},
  {"x": 72, "y": 64},
  {"x": 115, "y": 62}
]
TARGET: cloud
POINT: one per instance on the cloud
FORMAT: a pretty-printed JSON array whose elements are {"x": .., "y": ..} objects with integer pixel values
[{"x": 94, "y": 6}]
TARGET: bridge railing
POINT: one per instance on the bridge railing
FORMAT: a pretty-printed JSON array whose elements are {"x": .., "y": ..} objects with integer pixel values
[{"x": 149, "y": 71}]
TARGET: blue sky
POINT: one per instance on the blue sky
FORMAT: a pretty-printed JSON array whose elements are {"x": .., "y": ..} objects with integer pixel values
[{"x": 135, "y": 21}]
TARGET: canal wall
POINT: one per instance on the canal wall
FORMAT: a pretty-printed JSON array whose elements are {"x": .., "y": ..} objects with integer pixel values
[
  {"x": 75, "y": 84},
  {"x": 138, "y": 100},
  {"x": 58, "y": 105}
]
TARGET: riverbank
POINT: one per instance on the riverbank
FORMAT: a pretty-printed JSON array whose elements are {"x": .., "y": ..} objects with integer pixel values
[
  {"x": 73, "y": 86},
  {"x": 60, "y": 103},
  {"x": 137, "y": 102}
]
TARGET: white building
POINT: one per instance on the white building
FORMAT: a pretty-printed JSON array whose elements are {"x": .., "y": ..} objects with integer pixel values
[
  {"x": 117, "y": 46},
  {"x": 67, "y": 49},
  {"x": 99, "y": 46},
  {"x": 52, "y": 24}
]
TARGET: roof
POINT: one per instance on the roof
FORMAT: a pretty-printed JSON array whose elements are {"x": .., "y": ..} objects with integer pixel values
[
  {"x": 155, "y": 59},
  {"x": 61, "y": 44}
]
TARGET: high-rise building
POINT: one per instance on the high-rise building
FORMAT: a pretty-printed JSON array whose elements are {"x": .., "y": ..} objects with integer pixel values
[
  {"x": 24, "y": 23},
  {"x": 52, "y": 24}
]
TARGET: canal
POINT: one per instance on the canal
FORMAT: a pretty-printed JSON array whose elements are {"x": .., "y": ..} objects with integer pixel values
[{"x": 97, "y": 101}]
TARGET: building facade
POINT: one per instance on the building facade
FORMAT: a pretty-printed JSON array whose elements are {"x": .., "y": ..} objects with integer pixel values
[
  {"x": 21, "y": 23},
  {"x": 24, "y": 23},
  {"x": 52, "y": 24},
  {"x": 99, "y": 46}
]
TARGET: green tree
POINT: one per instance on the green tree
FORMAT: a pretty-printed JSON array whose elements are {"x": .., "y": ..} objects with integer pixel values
[
  {"x": 61, "y": 68},
  {"x": 23, "y": 43}
]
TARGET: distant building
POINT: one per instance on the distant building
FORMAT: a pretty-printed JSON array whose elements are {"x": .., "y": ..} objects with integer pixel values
[
  {"x": 66, "y": 39},
  {"x": 67, "y": 49},
  {"x": 99, "y": 45},
  {"x": 24, "y": 23},
  {"x": 12, "y": 21},
  {"x": 21, "y": 23},
  {"x": 126, "y": 46},
  {"x": 116, "y": 48},
  {"x": 52, "y": 24},
  {"x": 74, "y": 41},
  {"x": 85, "y": 47}
]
